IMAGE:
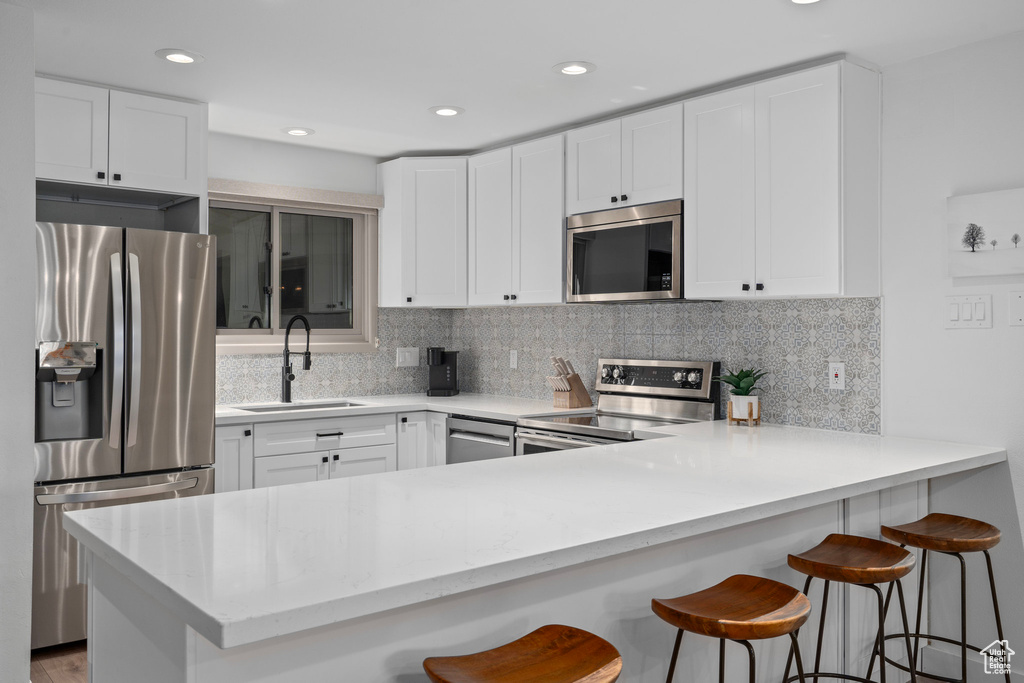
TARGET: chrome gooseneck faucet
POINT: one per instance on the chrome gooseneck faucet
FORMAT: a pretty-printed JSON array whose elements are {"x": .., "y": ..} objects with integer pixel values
[{"x": 287, "y": 376}]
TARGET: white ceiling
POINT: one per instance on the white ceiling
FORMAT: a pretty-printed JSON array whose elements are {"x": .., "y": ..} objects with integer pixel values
[{"x": 363, "y": 74}]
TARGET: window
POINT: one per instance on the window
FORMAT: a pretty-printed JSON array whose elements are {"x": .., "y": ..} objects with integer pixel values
[{"x": 276, "y": 261}]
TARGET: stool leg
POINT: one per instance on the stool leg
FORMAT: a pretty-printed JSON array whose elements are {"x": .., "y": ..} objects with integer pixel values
[
  {"x": 821, "y": 631},
  {"x": 675, "y": 653},
  {"x": 963, "y": 616},
  {"x": 795, "y": 648},
  {"x": 995, "y": 602},
  {"x": 752, "y": 662},
  {"x": 885, "y": 612},
  {"x": 906, "y": 631},
  {"x": 789, "y": 658},
  {"x": 721, "y": 660},
  {"x": 920, "y": 603},
  {"x": 881, "y": 629}
]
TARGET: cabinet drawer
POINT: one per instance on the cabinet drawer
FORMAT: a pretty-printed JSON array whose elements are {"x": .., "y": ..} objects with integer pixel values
[{"x": 303, "y": 436}]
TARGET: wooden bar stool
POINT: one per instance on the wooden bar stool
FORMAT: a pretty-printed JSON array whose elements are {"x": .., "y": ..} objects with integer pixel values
[
  {"x": 949, "y": 535},
  {"x": 861, "y": 562},
  {"x": 551, "y": 654},
  {"x": 741, "y": 608}
]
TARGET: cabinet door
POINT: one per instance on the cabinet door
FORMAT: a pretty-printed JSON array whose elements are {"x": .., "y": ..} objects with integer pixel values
[
  {"x": 296, "y": 468},
  {"x": 433, "y": 232},
  {"x": 593, "y": 167},
  {"x": 437, "y": 438},
  {"x": 351, "y": 462},
  {"x": 156, "y": 144},
  {"x": 652, "y": 155},
  {"x": 797, "y": 128},
  {"x": 718, "y": 213},
  {"x": 71, "y": 132},
  {"x": 490, "y": 228},
  {"x": 538, "y": 225},
  {"x": 232, "y": 449},
  {"x": 422, "y": 439}
]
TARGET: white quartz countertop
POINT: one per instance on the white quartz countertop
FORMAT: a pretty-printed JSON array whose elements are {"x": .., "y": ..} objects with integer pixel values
[
  {"x": 491, "y": 407},
  {"x": 244, "y": 566}
]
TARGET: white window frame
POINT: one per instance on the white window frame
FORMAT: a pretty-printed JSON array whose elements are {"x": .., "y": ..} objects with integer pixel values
[{"x": 362, "y": 337}]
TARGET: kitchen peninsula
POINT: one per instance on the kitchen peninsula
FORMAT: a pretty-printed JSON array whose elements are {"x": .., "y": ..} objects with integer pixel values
[{"x": 359, "y": 579}]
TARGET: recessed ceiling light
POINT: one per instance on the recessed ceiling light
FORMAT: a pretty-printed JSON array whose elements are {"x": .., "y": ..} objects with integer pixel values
[
  {"x": 179, "y": 56},
  {"x": 298, "y": 132},
  {"x": 447, "y": 110},
  {"x": 574, "y": 68},
  {"x": 805, "y": 2}
]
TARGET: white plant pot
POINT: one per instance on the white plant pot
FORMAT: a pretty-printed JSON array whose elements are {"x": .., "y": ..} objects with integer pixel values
[{"x": 740, "y": 410}]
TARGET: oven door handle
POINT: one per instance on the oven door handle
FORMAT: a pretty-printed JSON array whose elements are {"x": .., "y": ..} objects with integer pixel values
[
  {"x": 480, "y": 438},
  {"x": 556, "y": 441}
]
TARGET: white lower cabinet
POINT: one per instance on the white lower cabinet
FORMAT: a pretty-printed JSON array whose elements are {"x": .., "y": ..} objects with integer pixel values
[
  {"x": 233, "y": 458},
  {"x": 298, "y": 451},
  {"x": 422, "y": 439}
]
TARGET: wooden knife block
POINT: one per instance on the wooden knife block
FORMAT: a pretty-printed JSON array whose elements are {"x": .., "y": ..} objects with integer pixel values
[{"x": 579, "y": 397}]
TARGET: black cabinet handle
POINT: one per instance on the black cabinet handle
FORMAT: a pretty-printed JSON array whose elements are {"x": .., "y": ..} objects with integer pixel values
[
  {"x": 404, "y": 420},
  {"x": 624, "y": 197},
  {"x": 117, "y": 176},
  {"x": 514, "y": 297},
  {"x": 506, "y": 297},
  {"x": 759, "y": 286},
  {"x": 321, "y": 436},
  {"x": 614, "y": 199},
  {"x": 101, "y": 175},
  {"x": 408, "y": 299},
  {"x": 325, "y": 458},
  {"x": 337, "y": 458},
  {"x": 746, "y": 287},
  {"x": 247, "y": 432}
]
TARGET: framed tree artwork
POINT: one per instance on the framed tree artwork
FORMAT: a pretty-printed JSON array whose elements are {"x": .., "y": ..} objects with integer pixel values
[{"x": 984, "y": 232}]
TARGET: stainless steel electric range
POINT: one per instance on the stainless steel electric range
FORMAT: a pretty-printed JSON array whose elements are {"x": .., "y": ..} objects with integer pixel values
[{"x": 632, "y": 395}]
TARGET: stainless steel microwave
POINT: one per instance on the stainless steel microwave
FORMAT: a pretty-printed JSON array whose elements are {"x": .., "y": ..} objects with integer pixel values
[{"x": 628, "y": 254}]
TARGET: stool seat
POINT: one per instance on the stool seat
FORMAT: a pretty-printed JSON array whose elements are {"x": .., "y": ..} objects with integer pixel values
[
  {"x": 551, "y": 654},
  {"x": 740, "y": 608},
  {"x": 854, "y": 559},
  {"x": 945, "y": 533}
]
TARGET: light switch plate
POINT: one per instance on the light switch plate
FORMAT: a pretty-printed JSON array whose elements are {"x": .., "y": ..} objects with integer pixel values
[
  {"x": 1016, "y": 306},
  {"x": 407, "y": 357},
  {"x": 968, "y": 311}
]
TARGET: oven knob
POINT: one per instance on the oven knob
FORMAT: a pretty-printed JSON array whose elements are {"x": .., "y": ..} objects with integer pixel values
[
  {"x": 693, "y": 377},
  {"x": 677, "y": 376},
  {"x": 617, "y": 372},
  {"x": 605, "y": 372}
]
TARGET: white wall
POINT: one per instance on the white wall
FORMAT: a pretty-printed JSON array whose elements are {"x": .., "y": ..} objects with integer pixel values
[
  {"x": 17, "y": 273},
  {"x": 277, "y": 163},
  {"x": 953, "y": 123}
]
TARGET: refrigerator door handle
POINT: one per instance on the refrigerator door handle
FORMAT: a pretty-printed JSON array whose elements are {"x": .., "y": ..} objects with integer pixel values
[
  {"x": 135, "y": 298},
  {"x": 115, "y": 494},
  {"x": 117, "y": 348}
]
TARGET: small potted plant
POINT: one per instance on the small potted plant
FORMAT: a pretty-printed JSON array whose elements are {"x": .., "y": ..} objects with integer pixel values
[{"x": 741, "y": 384}]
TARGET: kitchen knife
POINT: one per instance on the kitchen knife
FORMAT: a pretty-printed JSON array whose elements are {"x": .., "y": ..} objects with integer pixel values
[{"x": 572, "y": 370}]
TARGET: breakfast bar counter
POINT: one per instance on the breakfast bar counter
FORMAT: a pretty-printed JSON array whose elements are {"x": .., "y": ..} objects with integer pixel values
[{"x": 360, "y": 578}]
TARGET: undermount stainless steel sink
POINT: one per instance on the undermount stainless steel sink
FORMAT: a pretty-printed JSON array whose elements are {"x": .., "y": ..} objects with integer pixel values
[{"x": 300, "y": 406}]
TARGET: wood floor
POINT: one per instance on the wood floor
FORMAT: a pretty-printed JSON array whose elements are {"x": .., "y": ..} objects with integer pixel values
[{"x": 60, "y": 664}]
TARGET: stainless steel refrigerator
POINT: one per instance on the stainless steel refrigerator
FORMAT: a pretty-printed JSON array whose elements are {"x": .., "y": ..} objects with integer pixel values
[{"x": 124, "y": 401}]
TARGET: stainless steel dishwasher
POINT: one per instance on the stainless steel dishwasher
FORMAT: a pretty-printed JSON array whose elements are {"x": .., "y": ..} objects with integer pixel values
[{"x": 471, "y": 439}]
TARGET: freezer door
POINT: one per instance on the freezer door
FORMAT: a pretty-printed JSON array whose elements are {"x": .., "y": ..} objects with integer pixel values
[
  {"x": 58, "y": 599},
  {"x": 78, "y": 288},
  {"x": 171, "y": 356}
]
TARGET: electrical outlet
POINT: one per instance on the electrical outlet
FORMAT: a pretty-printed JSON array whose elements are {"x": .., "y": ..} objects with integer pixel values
[
  {"x": 407, "y": 357},
  {"x": 513, "y": 359},
  {"x": 837, "y": 376}
]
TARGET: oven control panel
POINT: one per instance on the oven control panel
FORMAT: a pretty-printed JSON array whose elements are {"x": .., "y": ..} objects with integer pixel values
[{"x": 656, "y": 377}]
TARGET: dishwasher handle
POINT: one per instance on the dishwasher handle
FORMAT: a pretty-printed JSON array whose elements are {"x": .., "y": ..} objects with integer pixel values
[
  {"x": 481, "y": 438},
  {"x": 115, "y": 494}
]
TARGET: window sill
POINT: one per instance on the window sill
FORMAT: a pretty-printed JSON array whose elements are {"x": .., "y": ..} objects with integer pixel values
[{"x": 228, "y": 345}]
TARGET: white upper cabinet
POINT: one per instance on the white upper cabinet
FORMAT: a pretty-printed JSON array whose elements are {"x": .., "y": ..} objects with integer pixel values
[
  {"x": 423, "y": 232},
  {"x": 637, "y": 159},
  {"x": 516, "y": 230},
  {"x": 782, "y": 189},
  {"x": 86, "y": 134}
]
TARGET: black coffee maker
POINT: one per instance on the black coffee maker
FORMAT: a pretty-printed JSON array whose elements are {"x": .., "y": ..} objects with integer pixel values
[{"x": 442, "y": 372}]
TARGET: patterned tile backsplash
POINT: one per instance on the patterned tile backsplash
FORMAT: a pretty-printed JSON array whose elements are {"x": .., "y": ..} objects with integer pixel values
[{"x": 793, "y": 340}]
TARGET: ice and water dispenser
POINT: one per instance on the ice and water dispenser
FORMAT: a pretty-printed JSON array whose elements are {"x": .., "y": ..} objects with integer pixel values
[{"x": 69, "y": 391}]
